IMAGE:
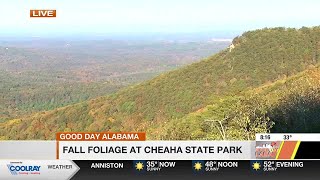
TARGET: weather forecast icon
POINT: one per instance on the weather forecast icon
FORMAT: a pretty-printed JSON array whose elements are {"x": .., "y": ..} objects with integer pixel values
[
  {"x": 198, "y": 166},
  {"x": 139, "y": 166},
  {"x": 256, "y": 166}
]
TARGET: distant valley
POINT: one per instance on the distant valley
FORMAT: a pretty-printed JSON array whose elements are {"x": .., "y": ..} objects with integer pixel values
[{"x": 39, "y": 74}]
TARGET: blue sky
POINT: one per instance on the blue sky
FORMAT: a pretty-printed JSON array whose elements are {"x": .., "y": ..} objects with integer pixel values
[{"x": 144, "y": 16}]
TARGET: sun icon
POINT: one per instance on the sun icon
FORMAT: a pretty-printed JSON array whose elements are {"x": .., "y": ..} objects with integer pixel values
[
  {"x": 197, "y": 166},
  {"x": 256, "y": 166},
  {"x": 139, "y": 166}
]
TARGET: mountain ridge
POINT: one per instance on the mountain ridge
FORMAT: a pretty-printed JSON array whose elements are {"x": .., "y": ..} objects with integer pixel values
[{"x": 259, "y": 57}]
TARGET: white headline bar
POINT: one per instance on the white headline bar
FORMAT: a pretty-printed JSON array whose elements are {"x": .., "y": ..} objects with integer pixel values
[{"x": 156, "y": 150}]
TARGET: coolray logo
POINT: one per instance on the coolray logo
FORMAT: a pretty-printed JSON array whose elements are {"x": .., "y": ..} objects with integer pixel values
[{"x": 22, "y": 169}]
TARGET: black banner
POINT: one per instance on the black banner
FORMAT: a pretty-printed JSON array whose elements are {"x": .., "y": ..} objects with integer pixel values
[
  {"x": 308, "y": 150},
  {"x": 198, "y": 169}
]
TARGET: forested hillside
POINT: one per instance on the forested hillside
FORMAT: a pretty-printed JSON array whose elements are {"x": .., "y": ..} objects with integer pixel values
[
  {"x": 233, "y": 88},
  {"x": 288, "y": 105}
]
